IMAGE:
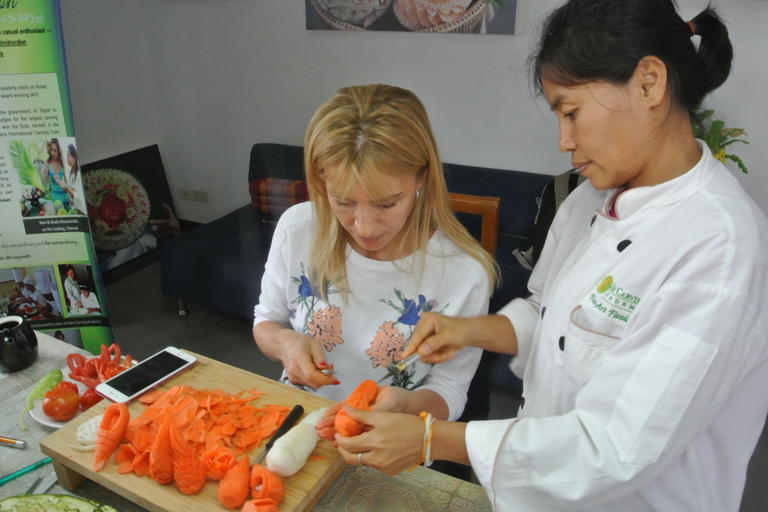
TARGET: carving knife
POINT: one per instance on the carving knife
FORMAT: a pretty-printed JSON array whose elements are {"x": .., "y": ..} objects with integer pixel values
[
  {"x": 396, "y": 368},
  {"x": 290, "y": 420}
]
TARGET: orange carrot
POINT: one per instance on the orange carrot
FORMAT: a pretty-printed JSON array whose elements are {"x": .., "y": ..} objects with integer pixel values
[
  {"x": 266, "y": 484},
  {"x": 141, "y": 463},
  {"x": 124, "y": 458},
  {"x": 217, "y": 462},
  {"x": 150, "y": 397},
  {"x": 161, "y": 455},
  {"x": 233, "y": 488},
  {"x": 188, "y": 469},
  {"x": 360, "y": 398},
  {"x": 262, "y": 505},
  {"x": 188, "y": 435},
  {"x": 111, "y": 430}
]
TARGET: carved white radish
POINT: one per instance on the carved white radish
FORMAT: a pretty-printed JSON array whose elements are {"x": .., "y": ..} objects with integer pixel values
[{"x": 290, "y": 452}]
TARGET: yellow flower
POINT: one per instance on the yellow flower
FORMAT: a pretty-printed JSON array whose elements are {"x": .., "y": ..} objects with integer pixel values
[{"x": 720, "y": 155}]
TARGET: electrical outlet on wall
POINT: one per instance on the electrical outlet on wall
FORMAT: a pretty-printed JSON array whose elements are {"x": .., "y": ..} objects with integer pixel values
[
  {"x": 200, "y": 195},
  {"x": 185, "y": 193}
]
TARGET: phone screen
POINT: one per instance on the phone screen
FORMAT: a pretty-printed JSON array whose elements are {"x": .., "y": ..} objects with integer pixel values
[{"x": 147, "y": 373}]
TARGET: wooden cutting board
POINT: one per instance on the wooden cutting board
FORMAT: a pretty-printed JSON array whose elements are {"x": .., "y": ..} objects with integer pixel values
[{"x": 302, "y": 490}]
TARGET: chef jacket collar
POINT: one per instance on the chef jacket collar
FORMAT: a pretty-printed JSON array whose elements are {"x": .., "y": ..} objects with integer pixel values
[{"x": 657, "y": 196}]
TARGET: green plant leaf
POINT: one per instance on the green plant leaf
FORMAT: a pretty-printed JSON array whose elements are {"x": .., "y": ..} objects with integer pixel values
[
  {"x": 738, "y": 162},
  {"x": 28, "y": 173}
]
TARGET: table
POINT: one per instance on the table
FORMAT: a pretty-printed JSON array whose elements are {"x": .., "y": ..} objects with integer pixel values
[{"x": 355, "y": 488}]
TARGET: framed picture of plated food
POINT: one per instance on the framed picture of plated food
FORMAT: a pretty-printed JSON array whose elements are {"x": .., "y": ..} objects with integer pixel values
[
  {"x": 430, "y": 16},
  {"x": 130, "y": 207}
]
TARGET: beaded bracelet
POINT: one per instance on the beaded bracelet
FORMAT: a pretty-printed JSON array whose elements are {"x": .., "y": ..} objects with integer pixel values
[
  {"x": 426, "y": 455},
  {"x": 426, "y": 450}
]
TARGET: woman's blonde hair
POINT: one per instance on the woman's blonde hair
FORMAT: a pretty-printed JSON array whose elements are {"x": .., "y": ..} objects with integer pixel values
[{"x": 362, "y": 131}]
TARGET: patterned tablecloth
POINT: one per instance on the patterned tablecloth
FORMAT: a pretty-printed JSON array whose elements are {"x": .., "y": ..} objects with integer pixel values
[{"x": 357, "y": 489}]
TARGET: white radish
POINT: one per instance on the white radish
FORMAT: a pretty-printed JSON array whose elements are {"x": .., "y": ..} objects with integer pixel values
[{"x": 290, "y": 452}]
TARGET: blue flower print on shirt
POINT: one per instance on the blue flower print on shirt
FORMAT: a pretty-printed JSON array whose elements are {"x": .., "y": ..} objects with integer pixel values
[
  {"x": 308, "y": 298},
  {"x": 389, "y": 342},
  {"x": 413, "y": 311},
  {"x": 305, "y": 288},
  {"x": 410, "y": 311}
]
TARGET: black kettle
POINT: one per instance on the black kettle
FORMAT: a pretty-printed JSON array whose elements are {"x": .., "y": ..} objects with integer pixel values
[{"x": 18, "y": 343}]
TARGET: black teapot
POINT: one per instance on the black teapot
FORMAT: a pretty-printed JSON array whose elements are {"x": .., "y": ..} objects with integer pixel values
[{"x": 18, "y": 343}]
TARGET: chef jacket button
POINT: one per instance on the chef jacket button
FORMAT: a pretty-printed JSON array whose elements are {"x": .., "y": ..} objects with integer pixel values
[
  {"x": 522, "y": 402},
  {"x": 561, "y": 342},
  {"x": 593, "y": 220},
  {"x": 543, "y": 310},
  {"x": 623, "y": 245}
]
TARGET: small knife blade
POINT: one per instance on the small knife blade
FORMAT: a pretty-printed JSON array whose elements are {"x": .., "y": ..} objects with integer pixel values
[
  {"x": 34, "y": 485},
  {"x": 396, "y": 368},
  {"x": 47, "y": 483},
  {"x": 290, "y": 420}
]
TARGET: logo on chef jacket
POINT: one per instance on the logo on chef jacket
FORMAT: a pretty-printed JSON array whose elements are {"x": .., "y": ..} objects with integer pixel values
[{"x": 613, "y": 300}]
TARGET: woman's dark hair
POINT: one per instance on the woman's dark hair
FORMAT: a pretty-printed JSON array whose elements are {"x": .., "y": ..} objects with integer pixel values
[
  {"x": 73, "y": 151},
  {"x": 603, "y": 40}
]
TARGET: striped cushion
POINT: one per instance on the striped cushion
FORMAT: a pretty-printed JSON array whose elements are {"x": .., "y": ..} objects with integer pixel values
[{"x": 272, "y": 196}]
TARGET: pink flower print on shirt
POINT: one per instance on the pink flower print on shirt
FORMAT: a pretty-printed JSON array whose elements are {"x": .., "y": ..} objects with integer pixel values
[
  {"x": 386, "y": 345},
  {"x": 325, "y": 327}
]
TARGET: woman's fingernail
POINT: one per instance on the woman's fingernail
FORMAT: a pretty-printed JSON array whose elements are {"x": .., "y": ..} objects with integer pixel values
[
  {"x": 335, "y": 383},
  {"x": 322, "y": 365}
]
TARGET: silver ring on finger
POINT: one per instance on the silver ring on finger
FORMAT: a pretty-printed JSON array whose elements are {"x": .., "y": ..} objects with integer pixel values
[{"x": 360, "y": 458}]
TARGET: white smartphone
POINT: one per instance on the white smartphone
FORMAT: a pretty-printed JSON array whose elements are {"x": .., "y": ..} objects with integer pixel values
[{"x": 130, "y": 384}]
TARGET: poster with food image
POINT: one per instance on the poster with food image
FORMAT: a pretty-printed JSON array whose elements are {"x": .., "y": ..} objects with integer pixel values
[
  {"x": 130, "y": 207},
  {"x": 42, "y": 201},
  {"x": 428, "y": 16}
]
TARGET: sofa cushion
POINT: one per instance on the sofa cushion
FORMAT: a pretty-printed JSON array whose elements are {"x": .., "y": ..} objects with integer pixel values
[{"x": 272, "y": 196}]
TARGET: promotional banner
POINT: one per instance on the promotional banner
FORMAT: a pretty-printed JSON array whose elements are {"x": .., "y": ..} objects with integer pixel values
[{"x": 49, "y": 274}]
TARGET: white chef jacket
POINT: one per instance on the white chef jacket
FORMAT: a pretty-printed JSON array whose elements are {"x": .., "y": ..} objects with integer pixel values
[{"x": 643, "y": 351}]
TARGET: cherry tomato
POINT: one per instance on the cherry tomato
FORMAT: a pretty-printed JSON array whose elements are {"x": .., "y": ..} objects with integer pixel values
[
  {"x": 61, "y": 404},
  {"x": 89, "y": 399}
]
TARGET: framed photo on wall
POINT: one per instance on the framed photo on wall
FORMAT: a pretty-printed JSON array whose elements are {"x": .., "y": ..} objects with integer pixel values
[{"x": 429, "y": 16}]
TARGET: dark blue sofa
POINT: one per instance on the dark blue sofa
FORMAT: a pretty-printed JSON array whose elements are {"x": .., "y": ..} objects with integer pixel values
[{"x": 219, "y": 264}]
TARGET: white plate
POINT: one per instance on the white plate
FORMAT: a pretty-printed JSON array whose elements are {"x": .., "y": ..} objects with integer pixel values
[{"x": 39, "y": 416}]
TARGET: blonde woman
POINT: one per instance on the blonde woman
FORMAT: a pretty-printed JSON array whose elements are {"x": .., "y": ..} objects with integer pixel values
[{"x": 350, "y": 273}]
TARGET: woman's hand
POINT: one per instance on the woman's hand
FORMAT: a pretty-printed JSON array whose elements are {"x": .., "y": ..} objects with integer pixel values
[
  {"x": 303, "y": 357},
  {"x": 388, "y": 399},
  {"x": 391, "y": 443},
  {"x": 438, "y": 337}
]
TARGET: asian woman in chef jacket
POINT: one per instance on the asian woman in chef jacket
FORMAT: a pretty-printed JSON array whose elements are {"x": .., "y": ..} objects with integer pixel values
[{"x": 643, "y": 346}]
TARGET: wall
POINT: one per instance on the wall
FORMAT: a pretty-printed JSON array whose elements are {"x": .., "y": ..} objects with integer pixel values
[{"x": 205, "y": 79}]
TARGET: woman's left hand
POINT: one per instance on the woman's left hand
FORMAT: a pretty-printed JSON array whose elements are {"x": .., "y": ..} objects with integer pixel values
[
  {"x": 388, "y": 399},
  {"x": 391, "y": 442}
]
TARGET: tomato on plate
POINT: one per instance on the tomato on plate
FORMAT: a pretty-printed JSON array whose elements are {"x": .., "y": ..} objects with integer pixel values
[
  {"x": 61, "y": 403},
  {"x": 89, "y": 399},
  {"x": 68, "y": 385}
]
